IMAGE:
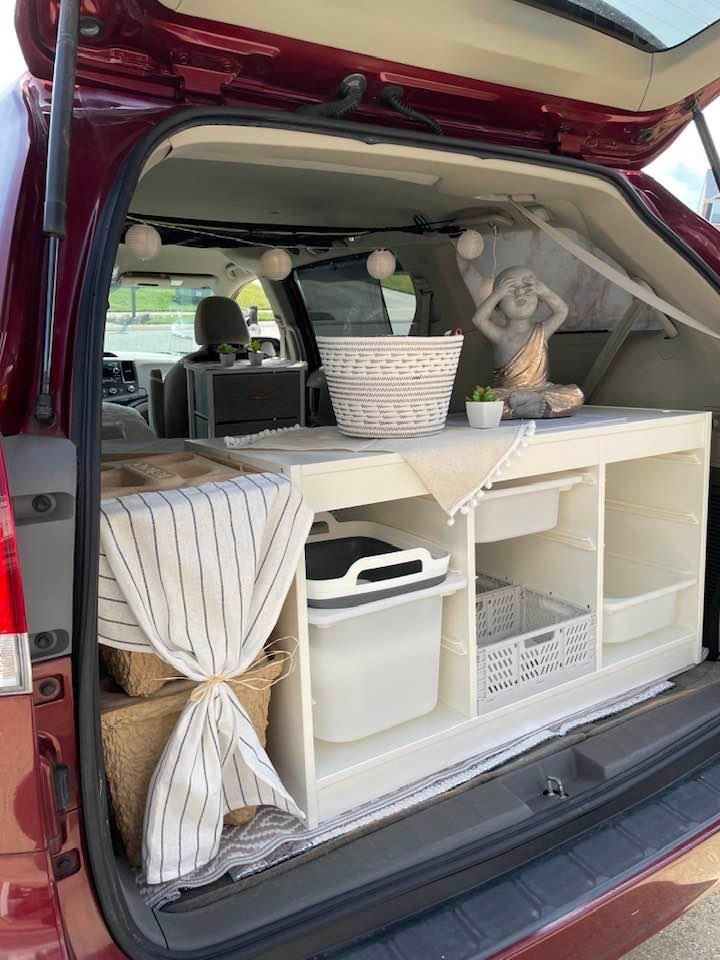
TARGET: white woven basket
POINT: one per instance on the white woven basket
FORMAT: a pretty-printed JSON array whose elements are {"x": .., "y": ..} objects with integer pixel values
[{"x": 390, "y": 386}]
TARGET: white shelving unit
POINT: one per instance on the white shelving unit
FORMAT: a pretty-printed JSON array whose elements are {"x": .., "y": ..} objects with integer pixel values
[{"x": 638, "y": 491}]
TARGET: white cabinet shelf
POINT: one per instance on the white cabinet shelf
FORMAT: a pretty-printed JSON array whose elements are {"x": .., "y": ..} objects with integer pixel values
[
  {"x": 644, "y": 647},
  {"x": 332, "y": 759},
  {"x": 639, "y": 489}
]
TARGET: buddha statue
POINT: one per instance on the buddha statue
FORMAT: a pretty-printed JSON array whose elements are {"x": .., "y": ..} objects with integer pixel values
[{"x": 506, "y": 316}]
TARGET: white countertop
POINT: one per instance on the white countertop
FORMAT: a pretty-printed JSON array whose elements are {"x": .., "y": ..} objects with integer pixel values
[{"x": 590, "y": 421}]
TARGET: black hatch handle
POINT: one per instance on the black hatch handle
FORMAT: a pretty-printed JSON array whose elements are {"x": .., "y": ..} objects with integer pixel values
[{"x": 56, "y": 178}]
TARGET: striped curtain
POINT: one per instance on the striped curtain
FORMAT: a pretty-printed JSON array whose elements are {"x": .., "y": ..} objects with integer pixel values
[{"x": 198, "y": 576}]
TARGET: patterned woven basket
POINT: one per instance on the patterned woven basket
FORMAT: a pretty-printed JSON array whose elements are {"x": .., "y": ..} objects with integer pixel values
[{"x": 390, "y": 386}]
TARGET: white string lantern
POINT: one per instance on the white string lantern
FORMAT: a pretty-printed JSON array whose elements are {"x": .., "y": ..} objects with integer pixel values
[
  {"x": 381, "y": 264},
  {"x": 275, "y": 264},
  {"x": 470, "y": 244},
  {"x": 144, "y": 241}
]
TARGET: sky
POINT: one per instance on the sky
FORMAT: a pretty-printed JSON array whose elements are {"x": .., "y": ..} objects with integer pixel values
[{"x": 680, "y": 169}]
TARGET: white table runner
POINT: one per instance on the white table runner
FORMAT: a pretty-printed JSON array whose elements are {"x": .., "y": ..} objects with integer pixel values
[
  {"x": 198, "y": 576},
  {"x": 456, "y": 465}
]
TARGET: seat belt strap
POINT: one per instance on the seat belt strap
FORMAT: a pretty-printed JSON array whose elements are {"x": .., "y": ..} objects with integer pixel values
[{"x": 616, "y": 338}]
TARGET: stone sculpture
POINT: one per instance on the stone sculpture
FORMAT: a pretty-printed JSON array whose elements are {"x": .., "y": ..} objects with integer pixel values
[{"x": 506, "y": 315}]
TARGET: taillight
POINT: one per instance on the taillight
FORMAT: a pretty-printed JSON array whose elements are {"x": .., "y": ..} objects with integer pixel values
[{"x": 15, "y": 668}]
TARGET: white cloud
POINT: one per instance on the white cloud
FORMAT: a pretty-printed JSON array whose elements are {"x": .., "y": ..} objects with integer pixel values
[{"x": 680, "y": 169}]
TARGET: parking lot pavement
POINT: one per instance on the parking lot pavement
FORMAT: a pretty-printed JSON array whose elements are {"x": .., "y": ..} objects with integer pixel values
[{"x": 695, "y": 936}]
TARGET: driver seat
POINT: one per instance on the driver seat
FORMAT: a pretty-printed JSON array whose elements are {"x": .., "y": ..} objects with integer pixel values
[{"x": 217, "y": 320}]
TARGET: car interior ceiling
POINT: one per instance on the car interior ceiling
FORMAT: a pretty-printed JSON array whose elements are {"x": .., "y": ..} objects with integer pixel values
[{"x": 222, "y": 197}]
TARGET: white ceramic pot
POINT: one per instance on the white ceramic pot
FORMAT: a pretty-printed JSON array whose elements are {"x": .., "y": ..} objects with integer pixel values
[
  {"x": 484, "y": 414},
  {"x": 227, "y": 359},
  {"x": 255, "y": 358}
]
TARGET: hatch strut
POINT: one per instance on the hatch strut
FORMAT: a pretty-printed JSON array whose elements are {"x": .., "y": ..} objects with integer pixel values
[
  {"x": 707, "y": 141},
  {"x": 56, "y": 177}
]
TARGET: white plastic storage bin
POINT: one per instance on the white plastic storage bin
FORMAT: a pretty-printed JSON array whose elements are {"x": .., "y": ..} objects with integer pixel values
[
  {"x": 355, "y": 561},
  {"x": 376, "y": 665},
  {"x": 527, "y": 642},
  {"x": 639, "y": 597},
  {"x": 519, "y": 508}
]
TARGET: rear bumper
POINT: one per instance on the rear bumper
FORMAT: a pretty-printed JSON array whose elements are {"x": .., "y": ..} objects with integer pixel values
[{"x": 612, "y": 888}]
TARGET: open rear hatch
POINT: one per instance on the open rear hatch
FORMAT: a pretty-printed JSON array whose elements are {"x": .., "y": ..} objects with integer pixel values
[
  {"x": 484, "y": 75},
  {"x": 557, "y": 76}
]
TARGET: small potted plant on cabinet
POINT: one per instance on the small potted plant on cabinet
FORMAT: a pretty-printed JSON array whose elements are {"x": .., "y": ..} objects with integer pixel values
[
  {"x": 483, "y": 408},
  {"x": 226, "y": 354},
  {"x": 255, "y": 354}
]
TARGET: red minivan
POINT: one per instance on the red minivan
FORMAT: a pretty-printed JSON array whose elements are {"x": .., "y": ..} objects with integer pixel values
[{"x": 230, "y": 128}]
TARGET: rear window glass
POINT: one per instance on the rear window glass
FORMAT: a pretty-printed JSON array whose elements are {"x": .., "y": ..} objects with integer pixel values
[
  {"x": 343, "y": 300},
  {"x": 652, "y": 24}
]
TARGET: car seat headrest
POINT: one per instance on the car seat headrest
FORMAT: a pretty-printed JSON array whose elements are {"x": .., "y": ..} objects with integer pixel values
[{"x": 219, "y": 320}]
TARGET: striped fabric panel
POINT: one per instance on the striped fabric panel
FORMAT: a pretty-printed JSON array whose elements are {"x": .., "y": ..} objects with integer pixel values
[{"x": 199, "y": 575}]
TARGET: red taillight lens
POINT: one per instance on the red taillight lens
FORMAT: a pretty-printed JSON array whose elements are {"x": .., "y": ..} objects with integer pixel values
[{"x": 15, "y": 670}]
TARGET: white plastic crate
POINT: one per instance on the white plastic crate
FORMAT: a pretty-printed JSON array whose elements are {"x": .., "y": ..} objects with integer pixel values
[
  {"x": 376, "y": 665},
  {"x": 640, "y": 597},
  {"x": 518, "y": 508},
  {"x": 527, "y": 642}
]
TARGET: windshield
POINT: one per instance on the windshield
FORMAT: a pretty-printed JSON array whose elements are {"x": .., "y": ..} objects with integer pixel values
[
  {"x": 160, "y": 320},
  {"x": 651, "y": 24}
]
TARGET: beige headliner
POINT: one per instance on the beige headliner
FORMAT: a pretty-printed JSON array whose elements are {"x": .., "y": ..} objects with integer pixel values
[
  {"x": 441, "y": 182},
  {"x": 493, "y": 40}
]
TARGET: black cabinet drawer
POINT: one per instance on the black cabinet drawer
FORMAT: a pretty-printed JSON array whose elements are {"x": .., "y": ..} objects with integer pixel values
[{"x": 256, "y": 396}]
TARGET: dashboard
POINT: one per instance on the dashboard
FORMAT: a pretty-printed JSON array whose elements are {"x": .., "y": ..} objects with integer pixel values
[{"x": 120, "y": 380}]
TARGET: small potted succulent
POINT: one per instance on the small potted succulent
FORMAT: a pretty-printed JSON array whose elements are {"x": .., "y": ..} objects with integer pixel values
[
  {"x": 226, "y": 354},
  {"x": 483, "y": 408},
  {"x": 255, "y": 354}
]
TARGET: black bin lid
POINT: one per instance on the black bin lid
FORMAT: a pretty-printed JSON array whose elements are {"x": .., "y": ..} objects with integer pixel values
[{"x": 331, "y": 559}]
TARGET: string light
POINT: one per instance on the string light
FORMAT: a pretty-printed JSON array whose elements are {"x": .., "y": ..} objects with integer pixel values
[
  {"x": 381, "y": 264},
  {"x": 470, "y": 244},
  {"x": 275, "y": 264},
  {"x": 144, "y": 241}
]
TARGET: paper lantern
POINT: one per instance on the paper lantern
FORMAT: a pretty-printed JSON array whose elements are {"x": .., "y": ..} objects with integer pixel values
[
  {"x": 470, "y": 244},
  {"x": 275, "y": 264},
  {"x": 144, "y": 241},
  {"x": 381, "y": 264}
]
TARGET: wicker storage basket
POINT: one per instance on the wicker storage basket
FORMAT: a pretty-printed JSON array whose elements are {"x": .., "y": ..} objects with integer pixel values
[
  {"x": 134, "y": 733},
  {"x": 390, "y": 386},
  {"x": 139, "y": 674},
  {"x": 162, "y": 471}
]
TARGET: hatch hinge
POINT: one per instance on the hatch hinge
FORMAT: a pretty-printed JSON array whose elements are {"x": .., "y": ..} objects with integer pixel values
[{"x": 571, "y": 144}]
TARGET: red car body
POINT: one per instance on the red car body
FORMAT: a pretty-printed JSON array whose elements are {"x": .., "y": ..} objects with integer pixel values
[{"x": 48, "y": 907}]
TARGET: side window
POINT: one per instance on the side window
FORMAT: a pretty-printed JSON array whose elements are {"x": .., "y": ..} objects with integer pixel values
[
  {"x": 399, "y": 296},
  {"x": 257, "y": 310},
  {"x": 343, "y": 300}
]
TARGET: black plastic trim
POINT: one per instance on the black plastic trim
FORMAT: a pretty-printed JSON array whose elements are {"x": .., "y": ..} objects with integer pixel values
[
  {"x": 567, "y": 880},
  {"x": 87, "y": 396}
]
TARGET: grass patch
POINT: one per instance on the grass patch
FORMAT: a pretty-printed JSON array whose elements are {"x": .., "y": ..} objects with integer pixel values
[{"x": 400, "y": 282}]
